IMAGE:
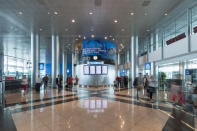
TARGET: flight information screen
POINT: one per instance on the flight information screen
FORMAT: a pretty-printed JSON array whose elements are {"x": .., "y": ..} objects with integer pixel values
[
  {"x": 104, "y": 70},
  {"x": 86, "y": 70},
  {"x": 92, "y": 70},
  {"x": 98, "y": 70}
]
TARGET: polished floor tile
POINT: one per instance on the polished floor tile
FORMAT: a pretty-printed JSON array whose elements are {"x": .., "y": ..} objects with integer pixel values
[{"x": 91, "y": 109}]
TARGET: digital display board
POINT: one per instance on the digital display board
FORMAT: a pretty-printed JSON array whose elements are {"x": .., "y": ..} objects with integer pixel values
[
  {"x": 86, "y": 70},
  {"x": 98, "y": 70},
  {"x": 104, "y": 70},
  {"x": 41, "y": 66},
  {"x": 92, "y": 70},
  {"x": 148, "y": 66}
]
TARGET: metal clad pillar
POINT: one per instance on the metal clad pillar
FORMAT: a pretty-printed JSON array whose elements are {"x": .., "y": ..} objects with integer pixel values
[
  {"x": 53, "y": 74},
  {"x": 133, "y": 58},
  {"x": 64, "y": 66},
  {"x": 37, "y": 54},
  {"x": 33, "y": 59},
  {"x": 57, "y": 56}
]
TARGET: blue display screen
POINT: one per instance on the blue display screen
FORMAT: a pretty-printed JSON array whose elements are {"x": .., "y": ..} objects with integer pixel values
[
  {"x": 41, "y": 66},
  {"x": 148, "y": 66},
  {"x": 105, "y": 50}
]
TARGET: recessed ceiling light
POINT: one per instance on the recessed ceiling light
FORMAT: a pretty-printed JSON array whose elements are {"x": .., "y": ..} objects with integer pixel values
[
  {"x": 79, "y": 36},
  {"x": 110, "y": 36},
  {"x": 145, "y": 14},
  {"x": 90, "y": 13},
  {"x": 55, "y": 13},
  {"x": 92, "y": 36},
  {"x": 132, "y": 13},
  {"x": 122, "y": 29},
  {"x": 20, "y": 12},
  {"x": 76, "y": 39},
  {"x": 166, "y": 14},
  {"x": 113, "y": 39},
  {"x": 84, "y": 37},
  {"x": 73, "y": 20},
  {"x": 115, "y": 21},
  {"x": 105, "y": 37},
  {"x": 148, "y": 30},
  {"x": 40, "y": 29},
  {"x": 66, "y": 29},
  {"x": 48, "y": 13}
]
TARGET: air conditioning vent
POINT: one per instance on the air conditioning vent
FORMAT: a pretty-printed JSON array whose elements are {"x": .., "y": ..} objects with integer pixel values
[
  {"x": 146, "y": 3},
  {"x": 98, "y": 2}
]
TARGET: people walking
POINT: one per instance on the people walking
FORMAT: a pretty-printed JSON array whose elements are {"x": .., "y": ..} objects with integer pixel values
[
  {"x": 38, "y": 83},
  {"x": 24, "y": 83},
  {"x": 45, "y": 80},
  {"x": 76, "y": 80},
  {"x": 152, "y": 86},
  {"x": 138, "y": 84}
]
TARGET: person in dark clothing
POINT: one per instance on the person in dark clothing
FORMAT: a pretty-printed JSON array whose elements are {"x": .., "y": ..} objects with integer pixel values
[
  {"x": 59, "y": 81},
  {"x": 45, "y": 80}
]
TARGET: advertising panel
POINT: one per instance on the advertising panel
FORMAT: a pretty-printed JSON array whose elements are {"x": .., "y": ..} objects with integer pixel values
[{"x": 105, "y": 51}]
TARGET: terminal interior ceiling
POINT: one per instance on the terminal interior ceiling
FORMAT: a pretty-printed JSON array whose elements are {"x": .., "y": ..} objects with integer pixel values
[
  {"x": 98, "y": 65},
  {"x": 18, "y": 19}
]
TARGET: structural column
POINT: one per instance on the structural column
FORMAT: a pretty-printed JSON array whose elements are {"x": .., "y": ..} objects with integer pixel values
[
  {"x": 53, "y": 74},
  {"x": 57, "y": 56},
  {"x": 116, "y": 66},
  {"x": 133, "y": 57},
  {"x": 64, "y": 66},
  {"x": 37, "y": 54},
  {"x": 33, "y": 58}
]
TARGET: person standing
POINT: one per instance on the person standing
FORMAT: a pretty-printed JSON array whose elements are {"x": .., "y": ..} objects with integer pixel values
[
  {"x": 59, "y": 81},
  {"x": 24, "y": 83},
  {"x": 152, "y": 86},
  {"x": 45, "y": 80},
  {"x": 38, "y": 83},
  {"x": 76, "y": 80},
  {"x": 138, "y": 83}
]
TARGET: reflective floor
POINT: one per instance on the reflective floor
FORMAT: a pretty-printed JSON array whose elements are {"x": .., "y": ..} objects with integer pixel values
[{"x": 92, "y": 109}]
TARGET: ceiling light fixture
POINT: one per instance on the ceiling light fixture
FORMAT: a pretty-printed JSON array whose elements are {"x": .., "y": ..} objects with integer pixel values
[
  {"x": 113, "y": 39},
  {"x": 105, "y": 37},
  {"x": 148, "y": 30},
  {"x": 115, "y": 21},
  {"x": 90, "y": 13},
  {"x": 73, "y": 21},
  {"x": 66, "y": 29},
  {"x": 55, "y": 13},
  {"x": 79, "y": 36},
  {"x": 145, "y": 14},
  {"x": 20, "y": 12},
  {"x": 76, "y": 39},
  {"x": 92, "y": 36},
  {"x": 40, "y": 29},
  {"x": 132, "y": 13},
  {"x": 48, "y": 13},
  {"x": 165, "y": 14},
  {"x": 122, "y": 29},
  {"x": 84, "y": 37}
]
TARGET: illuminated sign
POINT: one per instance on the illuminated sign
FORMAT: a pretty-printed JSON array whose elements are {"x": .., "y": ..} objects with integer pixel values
[{"x": 148, "y": 66}]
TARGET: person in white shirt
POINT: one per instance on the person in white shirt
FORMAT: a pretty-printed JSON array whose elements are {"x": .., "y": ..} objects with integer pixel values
[
  {"x": 152, "y": 86},
  {"x": 38, "y": 83}
]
